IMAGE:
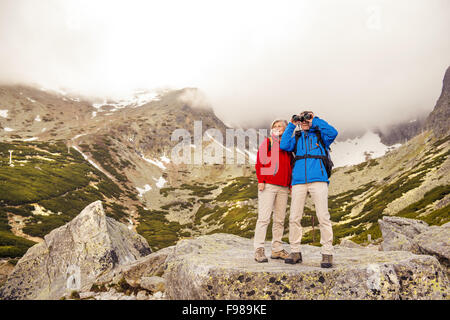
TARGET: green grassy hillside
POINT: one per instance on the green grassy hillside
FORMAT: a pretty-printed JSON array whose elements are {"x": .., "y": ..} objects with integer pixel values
[{"x": 62, "y": 183}]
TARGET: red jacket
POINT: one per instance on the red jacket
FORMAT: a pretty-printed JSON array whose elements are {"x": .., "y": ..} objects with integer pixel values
[{"x": 280, "y": 173}]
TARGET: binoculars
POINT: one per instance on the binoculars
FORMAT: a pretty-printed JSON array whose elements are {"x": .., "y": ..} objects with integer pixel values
[{"x": 302, "y": 117}]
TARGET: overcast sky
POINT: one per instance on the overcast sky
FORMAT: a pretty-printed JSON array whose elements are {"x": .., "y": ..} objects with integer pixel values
[{"x": 356, "y": 63}]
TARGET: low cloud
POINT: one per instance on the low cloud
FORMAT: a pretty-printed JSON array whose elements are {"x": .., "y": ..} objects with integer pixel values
[{"x": 356, "y": 63}]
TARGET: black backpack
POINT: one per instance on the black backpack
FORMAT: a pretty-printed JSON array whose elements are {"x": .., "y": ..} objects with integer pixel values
[{"x": 326, "y": 159}]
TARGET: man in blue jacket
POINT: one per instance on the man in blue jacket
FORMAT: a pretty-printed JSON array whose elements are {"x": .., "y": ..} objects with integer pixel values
[{"x": 309, "y": 175}]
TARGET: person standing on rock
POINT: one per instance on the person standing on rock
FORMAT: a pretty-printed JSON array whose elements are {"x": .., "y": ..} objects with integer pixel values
[
  {"x": 309, "y": 174},
  {"x": 273, "y": 170}
]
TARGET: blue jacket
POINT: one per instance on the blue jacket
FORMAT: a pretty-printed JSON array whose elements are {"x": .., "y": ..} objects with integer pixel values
[{"x": 309, "y": 170}]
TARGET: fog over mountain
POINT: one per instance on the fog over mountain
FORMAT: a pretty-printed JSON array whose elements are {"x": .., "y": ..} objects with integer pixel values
[{"x": 357, "y": 63}]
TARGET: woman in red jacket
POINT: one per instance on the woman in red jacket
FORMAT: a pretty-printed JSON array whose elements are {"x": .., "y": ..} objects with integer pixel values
[{"x": 273, "y": 169}]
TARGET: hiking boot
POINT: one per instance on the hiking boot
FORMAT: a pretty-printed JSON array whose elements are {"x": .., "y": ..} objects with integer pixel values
[
  {"x": 327, "y": 261},
  {"x": 260, "y": 256},
  {"x": 282, "y": 254},
  {"x": 293, "y": 258}
]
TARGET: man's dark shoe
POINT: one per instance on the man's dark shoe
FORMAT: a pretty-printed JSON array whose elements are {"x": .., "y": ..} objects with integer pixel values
[
  {"x": 327, "y": 261},
  {"x": 293, "y": 258}
]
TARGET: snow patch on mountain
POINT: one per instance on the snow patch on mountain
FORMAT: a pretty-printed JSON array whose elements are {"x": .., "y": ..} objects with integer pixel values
[
  {"x": 87, "y": 159},
  {"x": 360, "y": 149},
  {"x": 154, "y": 162},
  {"x": 217, "y": 142},
  {"x": 55, "y": 90},
  {"x": 4, "y": 113},
  {"x": 165, "y": 159},
  {"x": 78, "y": 135},
  {"x": 160, "y": 182},
  {"x": 135, "y": 100},
  {"x": 143, "y": 190}
]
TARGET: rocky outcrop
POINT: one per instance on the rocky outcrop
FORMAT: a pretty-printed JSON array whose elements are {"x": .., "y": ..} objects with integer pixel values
[
  {"x": 439, "y": 118},
  {"x": 416, "y": 236},
  {"x": 221, "y": 266},
  {"x": 73, "y": 256},
  {"x": 95, "y": 257},
  {"x": 398, "y": 233},
  {"x": 400, "y": 132}
]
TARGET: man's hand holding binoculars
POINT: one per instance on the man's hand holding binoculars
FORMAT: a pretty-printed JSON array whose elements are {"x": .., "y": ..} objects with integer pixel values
[{"x": 303, "y": 117}]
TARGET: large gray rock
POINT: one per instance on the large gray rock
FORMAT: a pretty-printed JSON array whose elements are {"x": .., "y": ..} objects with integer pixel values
[
  {"x": 398, "y": 233},
  {"x": 221, "y": 266},
  {"x": 436, "y": 241},
  {"x": 73, "y": 256},
  {"x": 416, "y": 236}
]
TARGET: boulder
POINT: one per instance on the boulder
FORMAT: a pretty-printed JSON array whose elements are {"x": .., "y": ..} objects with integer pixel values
[
  {"x": 221, "y": 266},
  {"x": 148, "y": 266},
  {"x": 153, "y": 284},
  {"x": 73, "y": 256},
  {"x": 436, "y": 241},
  {"x": 416, "y": 236},
  {"x": 398, "y": 233}
]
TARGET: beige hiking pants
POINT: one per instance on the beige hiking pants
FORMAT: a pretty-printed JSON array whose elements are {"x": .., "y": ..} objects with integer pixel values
[
  {"x": 272, "y": 198},
  {"x": 319, "y": 195}
]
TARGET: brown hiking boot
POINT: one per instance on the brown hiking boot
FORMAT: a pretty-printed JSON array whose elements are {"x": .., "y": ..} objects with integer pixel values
[
  {"x": 282, "y": 254},
  {"x": 327, "y": 261},
  {"x": 293, "y": 258},
  {"x": 260, "y": 256}
]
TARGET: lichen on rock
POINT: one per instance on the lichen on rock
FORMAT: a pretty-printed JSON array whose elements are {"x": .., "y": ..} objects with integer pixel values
[
  {"x": 416, "y": 236},
  {"x": 221, "y": 266}
]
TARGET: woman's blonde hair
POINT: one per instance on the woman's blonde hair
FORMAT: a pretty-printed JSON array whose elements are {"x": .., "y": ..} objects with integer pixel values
[{"x": 278, "y": 120}]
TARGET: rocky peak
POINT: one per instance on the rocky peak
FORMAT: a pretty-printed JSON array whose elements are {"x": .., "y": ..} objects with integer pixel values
[
  {"x": 439, "y": 118},
  {"x": 400, "y": 132}
]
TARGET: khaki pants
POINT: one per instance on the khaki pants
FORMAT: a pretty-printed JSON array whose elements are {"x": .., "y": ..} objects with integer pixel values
[
  {"x": 319, "y": 195},
  {"x": 272, "y": 198}
]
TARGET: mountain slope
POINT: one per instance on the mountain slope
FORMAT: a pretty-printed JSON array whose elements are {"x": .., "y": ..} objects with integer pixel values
[
  {"x": 45, "y": 188},
  {"x": 116, "y": 151}
]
